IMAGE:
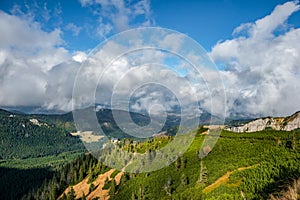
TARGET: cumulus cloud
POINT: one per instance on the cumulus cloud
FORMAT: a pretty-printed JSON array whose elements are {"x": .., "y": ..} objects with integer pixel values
[
  {"x": 35, "y": 68},
  {"x": 25, "y": 34},
  {"x": 59, "y": 87},
  {"x": 27, "y": 53},
  {"x": 262, "y": 64},
  {"x": 79, "y": 56},
  {"x": 144, "y": 77}
]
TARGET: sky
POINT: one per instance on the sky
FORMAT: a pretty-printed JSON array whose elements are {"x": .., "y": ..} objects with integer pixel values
[{"x": 254, "y": 44}]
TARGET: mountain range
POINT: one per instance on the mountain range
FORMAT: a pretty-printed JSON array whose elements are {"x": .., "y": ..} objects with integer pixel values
[{"x": 105, "y": 116}]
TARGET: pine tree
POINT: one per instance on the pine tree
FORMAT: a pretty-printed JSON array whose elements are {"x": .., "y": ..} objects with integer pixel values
[
  {"x": 71, "y": 194},
  {"x": 83, "y": 196},
  {"x": 133, "y": 196},
  {"x": 112, "y": 190},
  {"x": 184, "y": 179},
  {"x": 92, "y": 188},
  {"x": 203, "y": 174},
  {"x": 53, "y": 189},
  {"x": 178, "y": 163},
  {"x": 64, "y": 197},
  {"x": 183, "y": 163},
  {"x": 80, "y": 176}
]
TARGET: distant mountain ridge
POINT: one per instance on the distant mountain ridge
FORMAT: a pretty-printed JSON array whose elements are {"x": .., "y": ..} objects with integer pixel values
[
  {"x": 106, "y": 119},
  {"x": 276, "y": 123}
]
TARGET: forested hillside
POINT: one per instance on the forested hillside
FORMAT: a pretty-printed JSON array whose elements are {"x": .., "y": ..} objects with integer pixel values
[
  {"x": 30, "y": 151},
  {"x": 256, "y": 165},
  {"x": 22, "y": 136},
  {"x": 41, "y": 160},
  {"x": 252, "y": 165}
]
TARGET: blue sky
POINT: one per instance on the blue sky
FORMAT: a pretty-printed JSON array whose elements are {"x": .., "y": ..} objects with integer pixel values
[
  {"x": 255, "y": 44},
  {"x": 207, "y": 21}
]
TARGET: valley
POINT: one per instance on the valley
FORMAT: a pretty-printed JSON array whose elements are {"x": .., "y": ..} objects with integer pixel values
[
  {"x": 242, "y": 165},
  {"x": 150, "y": 100}
]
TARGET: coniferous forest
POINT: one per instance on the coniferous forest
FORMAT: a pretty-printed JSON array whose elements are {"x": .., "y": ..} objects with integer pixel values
[
  {"x": 149, "y": 100},
  {"x": 259, "y": 165}
]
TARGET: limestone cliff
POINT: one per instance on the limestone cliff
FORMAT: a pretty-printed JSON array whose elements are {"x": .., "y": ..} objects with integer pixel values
[{"x": 278, "y": 123}]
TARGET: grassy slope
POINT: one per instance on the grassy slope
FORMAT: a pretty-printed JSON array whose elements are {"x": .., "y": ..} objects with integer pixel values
[
  {"x": 41, "y": 162},
  {"x": 274, "y": 163}
]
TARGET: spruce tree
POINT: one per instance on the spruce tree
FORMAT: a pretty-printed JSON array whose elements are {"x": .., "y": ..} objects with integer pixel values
[
  {"x": 112, "y": 190},
  {"x": 83, "y": 196},
  {"x": 71, "y": 194}
]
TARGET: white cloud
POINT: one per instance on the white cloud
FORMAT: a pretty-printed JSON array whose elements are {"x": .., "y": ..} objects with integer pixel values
[
  {"x": 119, "y": 15},
  {"x": 27, "y": 53},
  {"x": 103, "y": 29},
  {"x": 39, "y": 11},
  {"x": 142, "y": 75},
  {"x": 73, "y": 28},
  {"x": 35, "y": 68},
  {"x": 262, "y": 73},
  {"x": 79, "y": 56},
  {"x": 59, "y": 87},
  {"x": 24, "y": 33},
  {"x": 168, "y": 41},
  {"x": 86, "y": 2}
]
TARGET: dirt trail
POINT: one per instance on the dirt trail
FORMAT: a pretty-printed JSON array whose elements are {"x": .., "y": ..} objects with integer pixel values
[
  {"x": 224, "y": 179},
  {"x": 217, "y": 183},
  {"x": 249, "y": 167}
]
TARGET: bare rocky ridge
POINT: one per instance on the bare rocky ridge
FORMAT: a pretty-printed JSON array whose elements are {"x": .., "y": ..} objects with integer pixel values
[{"x": 277, "y": 123}]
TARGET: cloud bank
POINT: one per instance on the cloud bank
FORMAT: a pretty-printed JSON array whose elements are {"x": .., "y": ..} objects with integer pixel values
[
  {"x": 36, "y": 68},
  {"x": 26, "y": 55},
  {"x": 261, "y": 65}
]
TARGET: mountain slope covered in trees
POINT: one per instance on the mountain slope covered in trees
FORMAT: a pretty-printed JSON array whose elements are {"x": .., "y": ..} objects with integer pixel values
[
  {"x": 41, "y": 160},
  {"x": 240, "y": 166},
  {"x": 22, "y": 136}
]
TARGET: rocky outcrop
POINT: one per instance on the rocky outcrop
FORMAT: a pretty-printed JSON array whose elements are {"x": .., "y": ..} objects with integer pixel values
[
  {"x": 279, "y": 123},
  {"x": 292, "y": 122},
  {"x": 36, "y": 122}
]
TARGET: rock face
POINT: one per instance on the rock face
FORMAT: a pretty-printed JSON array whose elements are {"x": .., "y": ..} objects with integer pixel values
[
  {"x": 279, "y": 123},
  {"x": 36, "y": 122},
  {"x": 292, "y": 122}
]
